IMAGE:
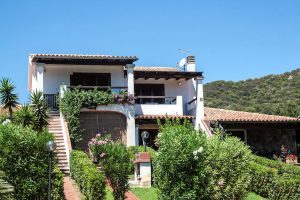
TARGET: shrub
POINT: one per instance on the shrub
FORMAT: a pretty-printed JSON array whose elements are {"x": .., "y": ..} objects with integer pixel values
[
  {"x": 74, "y": 100},
  {"x": 40, "y": 110},
  {"x": 97, "y": 146},
  {"x": 282, "y": 167},
  {"x": 190, "y": 166},
  {"x": 24, "y": 116},
  {"x": 90, "y": 180},
  {"x": 24, "y": 160},
  {"x": 117, "y": 167},
  {"x": 177, "y": 166},
  {"x": 226, "y": 168},
  {"x": 268, "y": 183}
]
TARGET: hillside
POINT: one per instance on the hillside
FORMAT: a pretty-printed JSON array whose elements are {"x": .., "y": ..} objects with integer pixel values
[{"x": 272, "y": 94}]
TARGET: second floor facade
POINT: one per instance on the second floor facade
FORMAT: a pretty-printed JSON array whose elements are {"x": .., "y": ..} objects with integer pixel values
[{"x": 157, "y": 90}]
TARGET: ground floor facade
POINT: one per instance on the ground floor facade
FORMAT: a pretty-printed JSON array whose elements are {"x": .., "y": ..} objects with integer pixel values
[{"x": 266, "y": 139}]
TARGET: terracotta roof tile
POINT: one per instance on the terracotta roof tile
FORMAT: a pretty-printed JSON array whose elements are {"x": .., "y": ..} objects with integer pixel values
[
  {"x": 164, "y": 117},
  {"x": 222, "y": 115}
]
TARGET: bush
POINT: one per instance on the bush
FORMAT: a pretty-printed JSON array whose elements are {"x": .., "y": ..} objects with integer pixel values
[
  {"x": 282, "y": 167},
  {"x": 90, "y": 180},
  {"x": 226, "y": 168},
  {"x": 24, "y": 160},
  {"x": 117, "y": 167},
  {"x": 268, "y": 183},
  {"x": 177, "y": 167},
  {"x": 190, "y": 166}
]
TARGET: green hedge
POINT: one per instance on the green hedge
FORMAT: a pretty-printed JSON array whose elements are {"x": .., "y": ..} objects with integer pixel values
[
  {"x": 268, "y": 183},
  {"x": 90, "y": 180},
  {"x": 24, "y": 160},
  {"x": 282, "y": 167}
]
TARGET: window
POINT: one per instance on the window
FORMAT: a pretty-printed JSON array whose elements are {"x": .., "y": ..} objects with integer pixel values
[
  {"x": 90, "y": 79},
  {"x": 148, "y": 91}
]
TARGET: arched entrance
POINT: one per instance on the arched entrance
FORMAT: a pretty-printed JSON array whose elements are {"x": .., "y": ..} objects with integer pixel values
[{"x": 102, "y": 122}]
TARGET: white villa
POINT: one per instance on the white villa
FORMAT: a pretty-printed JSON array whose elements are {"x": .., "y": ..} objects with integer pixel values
[{"x": 159, "y": 92}]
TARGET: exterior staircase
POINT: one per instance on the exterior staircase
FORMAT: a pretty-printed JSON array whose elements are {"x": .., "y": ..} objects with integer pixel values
[{"x": 55, "y": 128}]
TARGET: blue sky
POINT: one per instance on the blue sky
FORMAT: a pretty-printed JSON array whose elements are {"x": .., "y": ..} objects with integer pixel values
[{"x": 232, "y": 40}]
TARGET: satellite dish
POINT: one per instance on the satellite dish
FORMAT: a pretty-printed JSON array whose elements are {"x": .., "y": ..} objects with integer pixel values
[{"x": 182, "y": 62}]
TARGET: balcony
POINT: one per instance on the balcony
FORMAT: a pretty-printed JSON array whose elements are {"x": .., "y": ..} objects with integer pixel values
[{"x": 158, "y": 105}]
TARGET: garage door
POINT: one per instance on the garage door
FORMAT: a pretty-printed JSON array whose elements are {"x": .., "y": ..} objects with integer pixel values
[{"x": 102, "y": 122}]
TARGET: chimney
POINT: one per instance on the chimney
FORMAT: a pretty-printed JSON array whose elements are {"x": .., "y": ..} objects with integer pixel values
[{"x": 191, "y": 64}]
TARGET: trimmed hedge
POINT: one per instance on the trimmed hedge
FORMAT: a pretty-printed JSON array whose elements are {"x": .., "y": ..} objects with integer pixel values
[
  {"x": 282, "y": 167},
  {"x": 24, "y": 160},
  {"x": 268, "y": 183},
  {"x": 89, "y": 179}
]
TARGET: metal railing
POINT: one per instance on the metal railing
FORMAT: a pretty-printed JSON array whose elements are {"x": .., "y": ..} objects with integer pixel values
[
  {"x": 155, "y": 100},
  {"x": 51, "y": 101}
]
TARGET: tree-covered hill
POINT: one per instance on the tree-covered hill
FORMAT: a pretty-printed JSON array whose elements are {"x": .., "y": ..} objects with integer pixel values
[{"x": 272, "y": 94}]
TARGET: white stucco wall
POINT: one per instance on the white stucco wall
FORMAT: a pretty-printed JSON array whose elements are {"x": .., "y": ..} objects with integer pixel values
[
  {"x": 160, "y": 109},
  {"x": 56, "y": 75},
  {"x": 173, "y": 89}
]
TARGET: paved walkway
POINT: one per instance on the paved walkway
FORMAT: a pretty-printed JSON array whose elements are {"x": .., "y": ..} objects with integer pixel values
[
  {"x": 130, "y": 196},
  {"x": 71, "y": 190}
]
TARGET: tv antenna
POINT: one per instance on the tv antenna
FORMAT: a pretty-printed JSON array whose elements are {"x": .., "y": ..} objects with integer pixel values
[
  {"x": 184, "y": 51},
  {"x": 182, "y": 63}
]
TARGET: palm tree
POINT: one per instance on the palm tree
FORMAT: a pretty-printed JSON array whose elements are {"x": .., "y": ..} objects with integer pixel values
[
  {"x": 25, "y": 116},
  {"x": 8, "y": 97},
  {"x": 40, "y": 110}
]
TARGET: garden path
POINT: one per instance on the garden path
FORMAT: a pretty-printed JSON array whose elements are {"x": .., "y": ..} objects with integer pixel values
[{"x": 71, "y": 191}]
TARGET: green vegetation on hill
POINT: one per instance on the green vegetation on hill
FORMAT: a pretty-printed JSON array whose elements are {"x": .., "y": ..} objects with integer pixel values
[{"x": 272, "y": 94}]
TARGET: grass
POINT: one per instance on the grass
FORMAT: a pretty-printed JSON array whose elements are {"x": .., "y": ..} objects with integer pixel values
[
  {"x": 109, "y": 195},
  {"x": 253, "y": 196},
  {"x": 145, "y": 193},
  {"x": 150, "y": 194}
]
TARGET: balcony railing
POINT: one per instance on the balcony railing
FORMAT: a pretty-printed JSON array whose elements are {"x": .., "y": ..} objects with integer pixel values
[
  {"x": 105, "y": 88},
  {"x": 158, "y": 105},
  {"x": 155, "y": 100}
]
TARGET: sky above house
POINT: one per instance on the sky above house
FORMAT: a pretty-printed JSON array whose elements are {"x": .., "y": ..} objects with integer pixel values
[{"x": 231, "y": 39}]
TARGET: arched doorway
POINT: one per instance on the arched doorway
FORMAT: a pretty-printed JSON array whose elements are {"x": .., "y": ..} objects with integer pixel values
[{"x": 102, "y": 122}]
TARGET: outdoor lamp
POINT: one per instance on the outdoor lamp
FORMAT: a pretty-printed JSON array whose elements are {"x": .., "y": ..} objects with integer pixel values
[
  {"x": 50, "y": 147},
  {"x": 145, "y": 136}
]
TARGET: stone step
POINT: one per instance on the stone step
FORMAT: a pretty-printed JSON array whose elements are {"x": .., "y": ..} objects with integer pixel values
[{"x": 62, "y": 162}]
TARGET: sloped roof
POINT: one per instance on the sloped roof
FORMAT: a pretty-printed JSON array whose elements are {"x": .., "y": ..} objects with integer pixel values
[
  {"x": 34, "y": 57},
  {"x": 155, "y": 69},
  {"x": 164, "y": 117},
  {"x": 222, "y": 115}
]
